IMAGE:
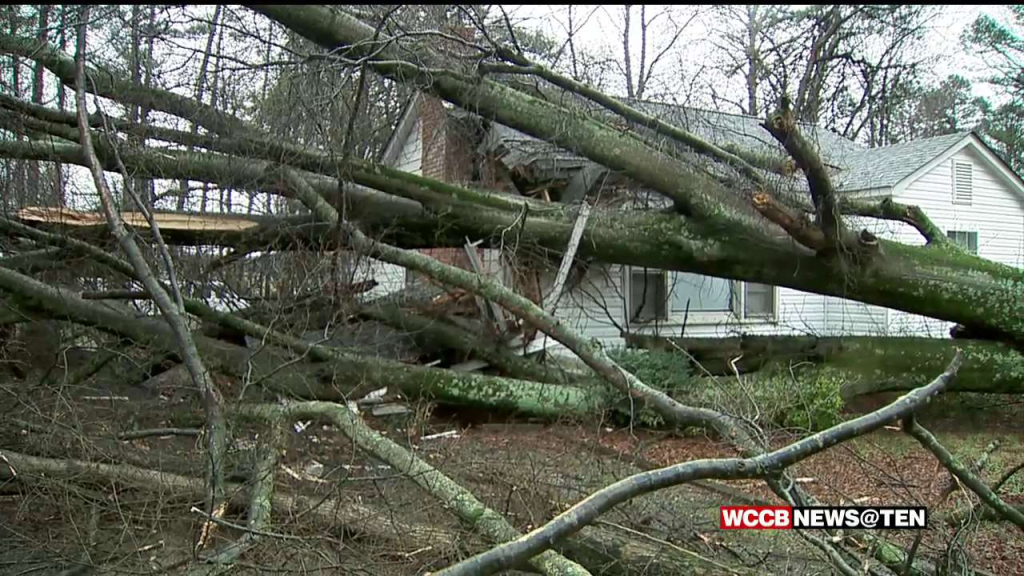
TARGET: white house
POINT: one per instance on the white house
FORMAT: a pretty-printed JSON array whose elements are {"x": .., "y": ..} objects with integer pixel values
[{"x": 956, "y": 179}]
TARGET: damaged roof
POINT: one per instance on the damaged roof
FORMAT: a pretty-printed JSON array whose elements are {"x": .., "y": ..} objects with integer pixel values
[{"x": 855, "y": 167}]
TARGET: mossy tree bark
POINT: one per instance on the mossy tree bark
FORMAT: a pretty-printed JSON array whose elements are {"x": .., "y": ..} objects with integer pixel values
[{"x": 868, "y": 365}]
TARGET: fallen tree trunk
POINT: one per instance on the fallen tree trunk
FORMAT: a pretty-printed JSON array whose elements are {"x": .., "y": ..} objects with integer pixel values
[{"x": 868, "y": 364}]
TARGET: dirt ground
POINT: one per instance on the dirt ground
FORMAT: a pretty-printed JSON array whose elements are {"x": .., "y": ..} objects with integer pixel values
[{"x": 527, "y": 471}]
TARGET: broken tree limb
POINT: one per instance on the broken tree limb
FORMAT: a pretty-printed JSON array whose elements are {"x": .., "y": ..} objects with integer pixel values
[
  {"x": 436, "y": 331},
  {"x": 330, "y": 513},
  {"x": 898, "y": 282},
  {"x": 688, "y": 139},
  {"x": 216, "y": 428},
  {"x": 602, "y": 550},
  {"x": 962, "y": 473},
  {"x": 590, "y": 352},
  {"x": 548, "y": 401},
  {"x": 462, "y": 502},
  {"x": 446, "y": 386},
  {"x": 903, "y": 279},
  {"x": 887, "y": 209},
  {"x": 783, "y": 126},
  {"x": 586, "y": 511},
  {"x": 794, "y": 223},
  {"x": 108, "y": 85},
  {"x": 693, "y": 192}
]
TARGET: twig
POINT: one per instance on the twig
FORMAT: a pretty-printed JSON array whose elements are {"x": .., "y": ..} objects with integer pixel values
[{"x": 136, "y": 434}]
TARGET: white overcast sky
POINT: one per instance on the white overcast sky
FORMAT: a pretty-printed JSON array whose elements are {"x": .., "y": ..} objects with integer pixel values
[{"x": 603, "y": 31}]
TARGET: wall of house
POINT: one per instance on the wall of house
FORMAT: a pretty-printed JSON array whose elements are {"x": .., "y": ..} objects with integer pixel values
[
  {"x": 596, "y": 306},
  {"x": 995, "y": 213},
  {"x": 390, "y": 277},
  {"x": 410, "y": 157},
  {"x": 437, "y": 149}
]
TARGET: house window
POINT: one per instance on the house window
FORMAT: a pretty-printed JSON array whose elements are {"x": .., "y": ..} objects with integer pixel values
[
  {"x": 966, "y": 240},
  {"x": 758, "y": 300},
  {"x": 963, "y": 182},
  {"x": 648, "y": 295},
  {"x": 703, "y": 293},
  {"x": 673, "y": 296}
]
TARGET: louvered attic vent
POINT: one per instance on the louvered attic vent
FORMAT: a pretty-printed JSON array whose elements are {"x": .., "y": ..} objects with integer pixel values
[{"x": 963, "y": 182}]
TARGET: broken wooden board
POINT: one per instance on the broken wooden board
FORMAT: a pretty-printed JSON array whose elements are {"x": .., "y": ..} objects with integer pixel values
[{"x": 164, "y": 220}]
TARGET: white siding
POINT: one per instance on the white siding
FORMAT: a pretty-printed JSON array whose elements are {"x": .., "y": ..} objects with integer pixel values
[
  {"x": 410, "y": 156},
  {"x": 848, "y": 317},
  {"x": 390, "y": 277},
  {"x": 597, "y": 308},
  {"x": 996, "y": 213}
]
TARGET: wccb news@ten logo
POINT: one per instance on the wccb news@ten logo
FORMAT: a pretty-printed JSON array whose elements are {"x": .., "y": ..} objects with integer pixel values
[{"x": 823, "y": 517}]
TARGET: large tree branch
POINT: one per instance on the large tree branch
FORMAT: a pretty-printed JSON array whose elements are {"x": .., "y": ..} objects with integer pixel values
[
  {"x": 329, "y": 514},
  {"x": 547, "y": 401},
  {"x": 905, "y": 279},
  {"x": 694, "y": 194},
  {"x": 462, "y": 502},
  {"x": 782, "y": 125},
  {"x": 109, "y": 85},
  {"x": 588, "y": 351},
  {"x": 887, "y": 209},
  {"x": 523, "y": 65}
]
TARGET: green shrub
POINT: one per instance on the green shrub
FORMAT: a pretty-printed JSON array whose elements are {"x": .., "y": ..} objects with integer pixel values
[
  {"x": 811, "y": 401},
  {"x": 662, "y": 370},
  {"x": 807, "y": 399}
]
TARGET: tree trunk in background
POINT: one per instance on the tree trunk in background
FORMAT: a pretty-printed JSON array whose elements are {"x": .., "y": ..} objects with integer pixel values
[
  {"x": 17, "y": 188},
  {"x": 36, "y": 192},
  {"x": 60, "y": 195},
  {"x": 201, "y": 92}
]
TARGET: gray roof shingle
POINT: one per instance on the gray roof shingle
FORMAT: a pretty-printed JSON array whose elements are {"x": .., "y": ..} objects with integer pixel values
[{"x": 886, "y": 166}]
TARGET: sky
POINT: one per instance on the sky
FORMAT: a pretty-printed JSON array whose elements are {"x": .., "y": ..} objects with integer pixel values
[{"x": 603, "y": 32}]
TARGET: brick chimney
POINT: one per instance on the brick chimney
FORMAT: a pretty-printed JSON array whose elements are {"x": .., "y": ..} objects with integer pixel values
[{"x": 447, "y": 142}]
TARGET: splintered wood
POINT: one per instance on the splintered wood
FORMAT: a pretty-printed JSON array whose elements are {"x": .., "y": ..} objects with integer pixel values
[{"x": 165, "y": 220}]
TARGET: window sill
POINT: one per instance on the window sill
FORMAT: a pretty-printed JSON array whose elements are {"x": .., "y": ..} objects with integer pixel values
[{"x": 706, "y": 319}]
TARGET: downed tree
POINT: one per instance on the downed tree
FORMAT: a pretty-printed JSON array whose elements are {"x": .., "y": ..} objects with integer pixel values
[
  {"x": 867, "y": 364},
  {"x": 710, "y": 229},
  {"x": 936, "y": 282}
]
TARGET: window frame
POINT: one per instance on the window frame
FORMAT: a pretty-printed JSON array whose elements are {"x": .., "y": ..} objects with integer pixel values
[
  {"x": 968, "y": 234},
  {"x": 736, "y": 313},
  {"x": 772, "y": 315},
  {"x": 631, "y": 271}
]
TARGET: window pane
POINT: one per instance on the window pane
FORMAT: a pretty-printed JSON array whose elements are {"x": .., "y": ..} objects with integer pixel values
[
  {"x": 647, "y": 294},
  {"x": 705, "y": 293},
  {"x": 966, "y": 240},
  {"x": 758, "y": 299}
]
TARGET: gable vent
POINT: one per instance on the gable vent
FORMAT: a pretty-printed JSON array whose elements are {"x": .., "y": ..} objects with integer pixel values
[{"x": 963, "y": 182}]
